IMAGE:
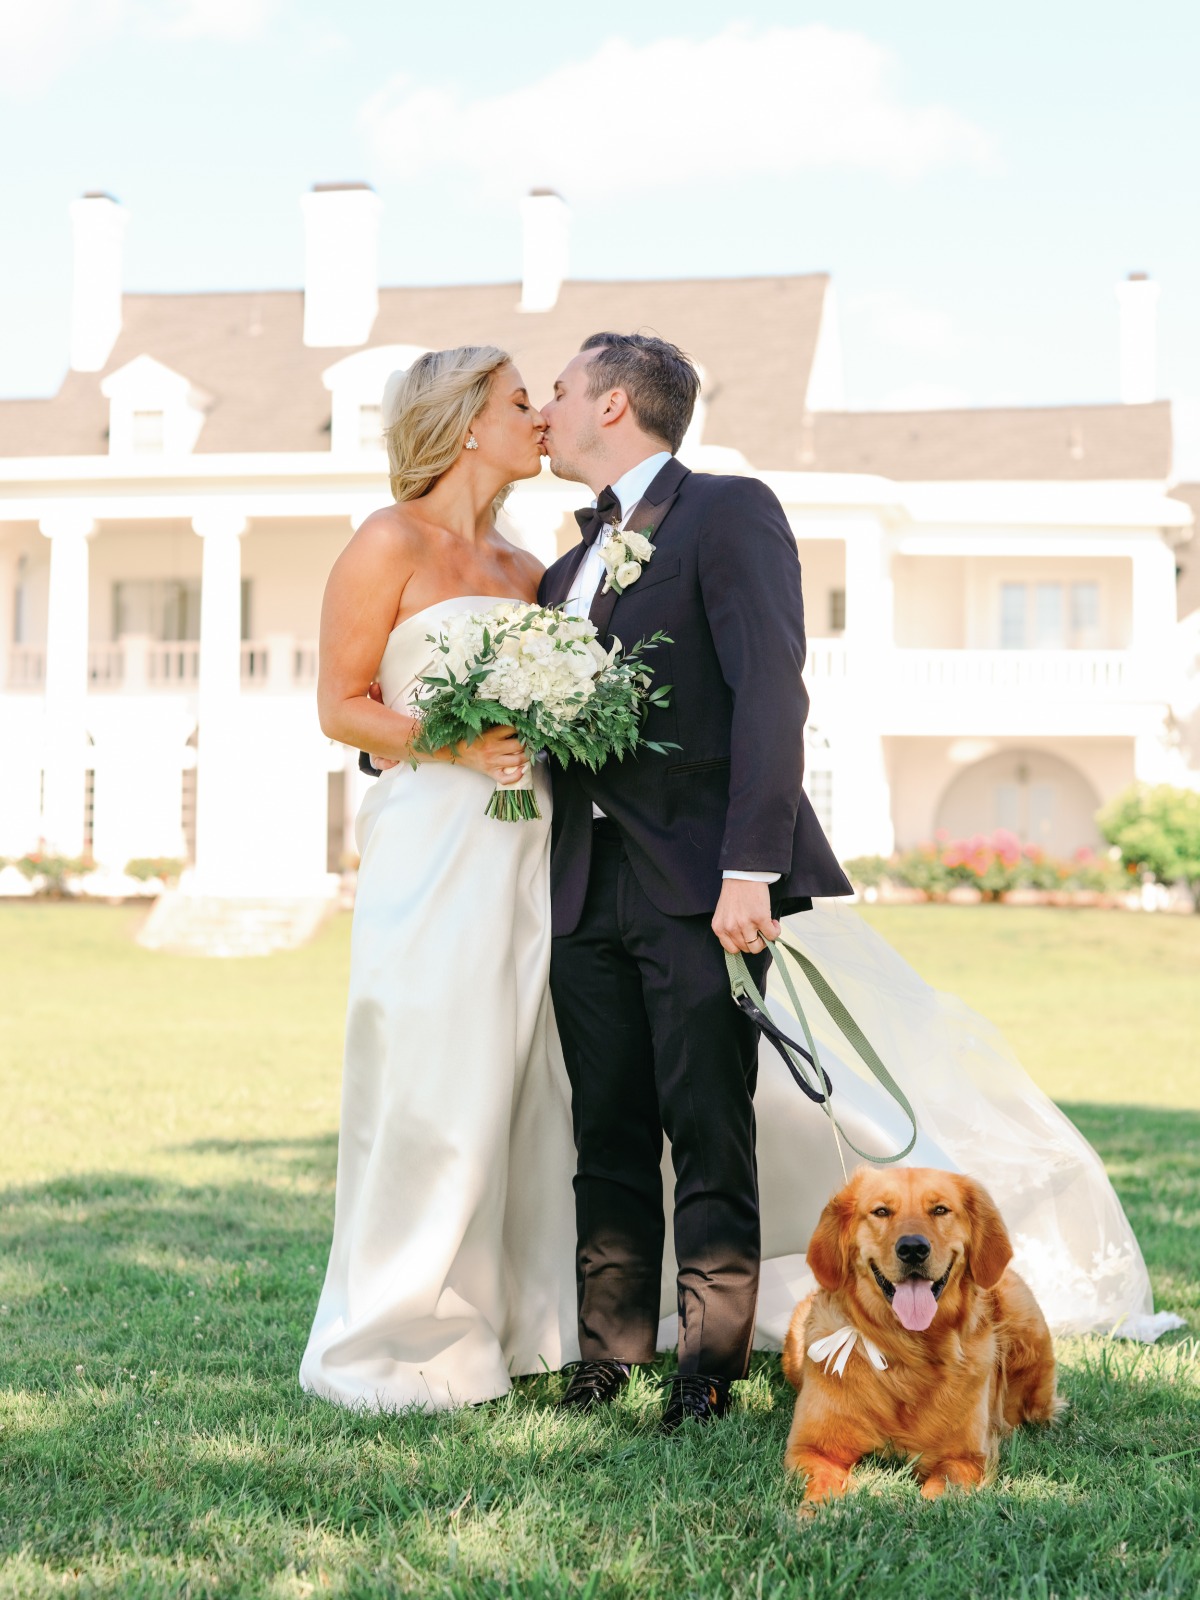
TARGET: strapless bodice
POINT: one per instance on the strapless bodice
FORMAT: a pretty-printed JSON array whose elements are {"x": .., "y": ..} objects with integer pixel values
[{"x": 408, "y": 654}]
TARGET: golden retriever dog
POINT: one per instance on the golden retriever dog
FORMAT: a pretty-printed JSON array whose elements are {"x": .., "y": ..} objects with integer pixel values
[{"x": 921, "y": 1339}]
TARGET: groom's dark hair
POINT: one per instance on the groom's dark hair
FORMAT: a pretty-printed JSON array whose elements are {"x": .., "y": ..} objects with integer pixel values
[{"x": 660, "y": 381}]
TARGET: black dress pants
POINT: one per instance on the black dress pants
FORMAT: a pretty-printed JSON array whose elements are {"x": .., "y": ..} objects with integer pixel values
[{"x": 653, "y": 1042}]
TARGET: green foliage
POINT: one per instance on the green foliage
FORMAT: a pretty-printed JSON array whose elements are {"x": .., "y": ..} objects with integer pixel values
[
  {"x": 143, "y": 868},
  {"x": 166, "y": 1221},
  {"x": 52, "y": 874},
  {"x": 924, "y": 869},
  {"x": 1157, "y": 830},
  {"x": 608, "y": 722},
  {"x": 866, "y": 872}
]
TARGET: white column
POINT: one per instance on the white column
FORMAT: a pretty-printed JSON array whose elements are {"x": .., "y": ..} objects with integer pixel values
[
  {"x": 862, "y": 802},
  {"x": 1152, "y": 619},
  {"x": 218, "y": 823},
  {"x": 281, "y": 662},
  {"x": 65, "y": 749},
  {"x": 535, "y": 515},
  {"x": 8, "y": 605}
]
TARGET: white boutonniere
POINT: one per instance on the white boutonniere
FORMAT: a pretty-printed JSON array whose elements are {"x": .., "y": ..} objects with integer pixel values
[{"x": 624, "y": 556}]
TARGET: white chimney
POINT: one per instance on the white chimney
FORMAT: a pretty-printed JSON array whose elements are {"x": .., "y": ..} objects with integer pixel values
[
  {"x": 546, "y": 219},
  {"x": 1138, "y": 299},
  {"x": 341, "y": 263},
  {"x": 98, "y": 226}
]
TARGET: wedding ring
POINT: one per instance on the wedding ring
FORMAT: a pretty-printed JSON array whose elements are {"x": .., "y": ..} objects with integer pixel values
[{"x": 756, "y": 938}]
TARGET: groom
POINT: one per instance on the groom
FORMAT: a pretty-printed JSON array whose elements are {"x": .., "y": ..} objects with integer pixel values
[{"x": 661, "y": 863}]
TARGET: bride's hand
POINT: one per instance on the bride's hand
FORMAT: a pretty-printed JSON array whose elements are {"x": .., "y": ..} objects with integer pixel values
[{"x": 498, "y": 754}]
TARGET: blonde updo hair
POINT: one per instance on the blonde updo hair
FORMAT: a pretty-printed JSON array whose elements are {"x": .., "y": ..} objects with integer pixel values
[{"x": 428, "y": 411}]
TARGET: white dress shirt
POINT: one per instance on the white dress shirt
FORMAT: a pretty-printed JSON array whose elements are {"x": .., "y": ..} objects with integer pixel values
[{"x": 629, "y": 489}]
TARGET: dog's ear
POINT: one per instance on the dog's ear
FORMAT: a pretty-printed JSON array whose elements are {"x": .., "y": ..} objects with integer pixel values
[
  {"x": 827, "y": 1249},
  {"x": 990, "y": 1249}
]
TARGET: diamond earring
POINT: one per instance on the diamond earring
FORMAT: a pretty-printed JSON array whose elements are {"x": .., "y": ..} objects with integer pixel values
[{"x": 472, "y": 442}]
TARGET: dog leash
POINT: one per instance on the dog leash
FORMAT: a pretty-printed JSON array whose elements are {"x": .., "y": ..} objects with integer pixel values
[{"x": 816, "y": 1084}]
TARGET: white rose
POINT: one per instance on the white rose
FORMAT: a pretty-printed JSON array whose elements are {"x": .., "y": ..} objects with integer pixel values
[
  {"x": 598, "y": 654},
  {"x": 628, "y": 572},
  {"x": 613, "y": 555},
  {"x": 638, "y": 545}
]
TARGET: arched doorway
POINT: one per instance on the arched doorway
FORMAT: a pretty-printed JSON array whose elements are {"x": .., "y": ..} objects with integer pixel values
[{"x": 1040, "y": 797}]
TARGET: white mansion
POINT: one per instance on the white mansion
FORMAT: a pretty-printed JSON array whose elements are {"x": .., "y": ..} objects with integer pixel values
[{"x": 991, "y": 595}]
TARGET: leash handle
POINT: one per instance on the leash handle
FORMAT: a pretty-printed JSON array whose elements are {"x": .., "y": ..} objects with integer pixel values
[{"x": 746, "y": 995}]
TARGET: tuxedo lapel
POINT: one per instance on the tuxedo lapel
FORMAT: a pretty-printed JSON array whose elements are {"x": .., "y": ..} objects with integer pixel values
[
  {"x": 558, "y": 591},
  {"x": 646, "y": 517}
]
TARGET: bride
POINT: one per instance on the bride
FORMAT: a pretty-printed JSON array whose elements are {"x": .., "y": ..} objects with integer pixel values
[
  {"x": 452, "y": 1267},
  {"x": 452, "y": 1263}
]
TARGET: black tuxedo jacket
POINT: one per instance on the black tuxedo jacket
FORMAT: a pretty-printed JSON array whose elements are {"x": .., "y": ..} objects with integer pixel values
[{"x": 724, "y": 583}]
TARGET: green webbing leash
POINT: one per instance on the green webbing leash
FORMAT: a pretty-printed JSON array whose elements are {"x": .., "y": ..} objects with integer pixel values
[{"x": 743, "y": 988}]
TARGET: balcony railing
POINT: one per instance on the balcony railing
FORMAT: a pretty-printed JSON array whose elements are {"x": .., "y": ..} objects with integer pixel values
[
  {"x": 283, "y": 664},
  {"x": 1058, "y": 674},
  {"x": 26, "y": 667},
  {"x": 140, "y": 666}
]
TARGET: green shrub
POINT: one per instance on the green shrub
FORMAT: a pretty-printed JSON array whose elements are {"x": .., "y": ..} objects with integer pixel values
[
  {"x": 51, "y": 872},
  {"x": 144, "y": 868},
  {"x": 867, "y": 872},
  {"x": 1157, "y": 830}
]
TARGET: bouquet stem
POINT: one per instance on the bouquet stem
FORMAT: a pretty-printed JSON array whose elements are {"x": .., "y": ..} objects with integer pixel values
[
  {"x": 513, "y": 805},
  {"x": 515, "y": 802}
]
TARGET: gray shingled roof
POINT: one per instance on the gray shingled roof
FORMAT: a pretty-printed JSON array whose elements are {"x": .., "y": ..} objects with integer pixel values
[
  {"x": 754, "y": 337},
  {"x": 1033, "y": 442}
]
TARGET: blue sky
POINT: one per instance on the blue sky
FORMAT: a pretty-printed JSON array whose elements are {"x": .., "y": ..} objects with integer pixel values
[{"x": 976, "y": 179}]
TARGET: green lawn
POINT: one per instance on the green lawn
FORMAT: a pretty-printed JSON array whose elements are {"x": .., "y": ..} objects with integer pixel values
[{"x": 168, "y": 1154}]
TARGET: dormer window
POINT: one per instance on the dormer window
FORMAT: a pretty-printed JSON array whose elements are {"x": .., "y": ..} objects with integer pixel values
[
  {"x": 370, "y": 427},
  {"x": 356, "y": 386},
  {"x": 152, "y": 411},
  {"x": 148, "y": 434}
]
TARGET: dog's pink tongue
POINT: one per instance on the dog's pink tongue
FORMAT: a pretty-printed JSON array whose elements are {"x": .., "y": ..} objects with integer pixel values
[{"x": 914, "y": 1304}]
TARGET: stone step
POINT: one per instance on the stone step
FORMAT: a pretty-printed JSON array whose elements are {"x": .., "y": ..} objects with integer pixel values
[{"x": 189, "y": 924}]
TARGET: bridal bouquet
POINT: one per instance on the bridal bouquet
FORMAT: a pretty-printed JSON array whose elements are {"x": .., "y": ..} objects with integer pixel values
[{"x": 543, "y": 673}]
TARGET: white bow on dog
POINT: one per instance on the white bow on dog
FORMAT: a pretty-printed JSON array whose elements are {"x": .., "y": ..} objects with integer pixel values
[{"x": 834, "y": 1350}]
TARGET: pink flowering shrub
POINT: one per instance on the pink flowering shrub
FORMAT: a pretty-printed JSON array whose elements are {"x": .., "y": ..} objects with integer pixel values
[{"x": 994, "y": 864}]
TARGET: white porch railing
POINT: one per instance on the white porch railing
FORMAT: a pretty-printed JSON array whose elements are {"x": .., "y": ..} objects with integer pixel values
[
  {"x": 825, "y": 658},
  {"x": 1084, "y": 674},
  {"x": 255, "y": 663},
  {"x": 173, "y": 666},
  {"x": 304, "y": 662},
  {"x": 136, "y": 665},
  {"x": 26, "y": 667}
]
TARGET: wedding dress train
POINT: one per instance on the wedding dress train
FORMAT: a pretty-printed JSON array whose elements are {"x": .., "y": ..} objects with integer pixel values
[
  {"x": 452, "y": 1264},
  {"x": 977, "y": 1111}
]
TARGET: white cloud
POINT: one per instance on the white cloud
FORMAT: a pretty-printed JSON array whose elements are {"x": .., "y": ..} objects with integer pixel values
[
  {"x": 41, "y": 39},
  {"x": 212, "y": 19},
  {"x": 744, "y": 103}
]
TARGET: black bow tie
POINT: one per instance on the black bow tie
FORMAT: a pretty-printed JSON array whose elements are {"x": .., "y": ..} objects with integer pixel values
[{"x": 592, "y": 518}]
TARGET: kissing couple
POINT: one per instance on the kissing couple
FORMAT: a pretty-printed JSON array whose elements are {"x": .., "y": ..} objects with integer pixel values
[{"x": 537, "y": 1005}]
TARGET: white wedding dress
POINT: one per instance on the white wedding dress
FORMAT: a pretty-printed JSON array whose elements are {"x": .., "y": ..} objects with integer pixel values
[
  {"x": 452, "y": 1264},
  {"x": 453, "y": 1257}
]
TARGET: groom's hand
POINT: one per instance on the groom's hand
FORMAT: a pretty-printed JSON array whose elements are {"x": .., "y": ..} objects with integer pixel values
[{"x": 743, "y": 921}]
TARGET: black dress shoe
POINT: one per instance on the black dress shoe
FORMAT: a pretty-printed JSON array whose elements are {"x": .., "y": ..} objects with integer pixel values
[
  {"x": 691, "y": 1394},
  {"x": 594, "y": 1383}
]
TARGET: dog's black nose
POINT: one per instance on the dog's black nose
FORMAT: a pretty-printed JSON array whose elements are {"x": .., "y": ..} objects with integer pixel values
[{"x": 913, "y": 1249}]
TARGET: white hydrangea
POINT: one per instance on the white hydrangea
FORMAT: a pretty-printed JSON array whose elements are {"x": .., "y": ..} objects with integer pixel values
[{"x": 550, "y": 660}]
